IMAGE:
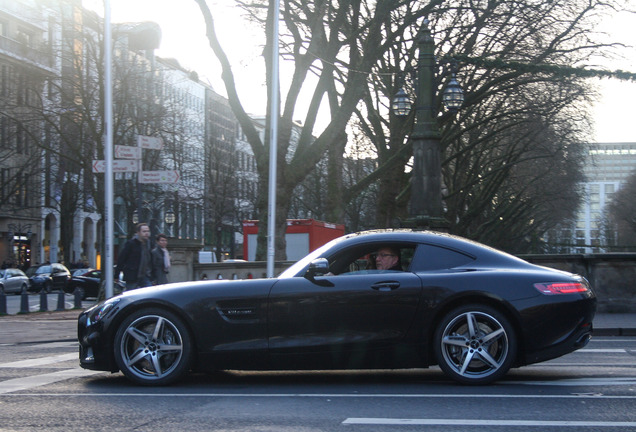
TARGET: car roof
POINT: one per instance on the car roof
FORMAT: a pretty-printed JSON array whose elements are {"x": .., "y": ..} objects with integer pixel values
[{"x": 478, "y": 250}]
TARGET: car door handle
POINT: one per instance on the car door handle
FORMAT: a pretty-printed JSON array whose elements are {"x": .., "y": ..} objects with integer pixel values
[{"x": 386, "y": 286}]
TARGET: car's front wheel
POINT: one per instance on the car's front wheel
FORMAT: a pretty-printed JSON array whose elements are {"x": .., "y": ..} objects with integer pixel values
[
  {"x": 475, "y": 344},
  {"x": 153, "y": 347}
]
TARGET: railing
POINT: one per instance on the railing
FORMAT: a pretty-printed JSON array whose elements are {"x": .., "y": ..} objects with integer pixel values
[
  {"x": 19, "y": 49},
  {"x": 612, "y": 275}
]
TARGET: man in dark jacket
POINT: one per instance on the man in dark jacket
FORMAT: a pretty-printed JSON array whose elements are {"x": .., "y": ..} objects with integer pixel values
[
  {"x": 160, "y": 261},
  {"x": 134, "y": 259}
]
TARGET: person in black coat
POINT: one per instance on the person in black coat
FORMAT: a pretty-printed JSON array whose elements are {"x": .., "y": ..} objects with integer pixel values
[
  {"x": 160, "y": 261},
  {"x": 135, "y": 260}
]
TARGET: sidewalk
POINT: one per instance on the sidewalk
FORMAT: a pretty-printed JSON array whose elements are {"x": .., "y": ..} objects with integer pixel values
[
  {"x": 61, "y": 326},
  {"x": 615, "y": 324}
]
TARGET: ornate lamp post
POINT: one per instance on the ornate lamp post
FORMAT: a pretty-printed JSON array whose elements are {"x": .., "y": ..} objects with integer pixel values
[
  {"x": 170, "y": 219},
  {"x": 425, "y": 206}
]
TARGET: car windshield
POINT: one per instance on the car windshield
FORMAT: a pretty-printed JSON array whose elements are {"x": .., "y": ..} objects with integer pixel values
[
  {"x": 2, "y": 272},
  {"x": 299, "y": 265}
]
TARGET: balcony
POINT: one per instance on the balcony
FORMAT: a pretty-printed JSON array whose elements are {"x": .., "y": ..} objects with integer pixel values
[{"x": 22, "y": 52}]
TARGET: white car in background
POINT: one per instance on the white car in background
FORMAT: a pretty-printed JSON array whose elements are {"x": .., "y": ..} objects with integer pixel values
[{"x": 13, "y": 280}]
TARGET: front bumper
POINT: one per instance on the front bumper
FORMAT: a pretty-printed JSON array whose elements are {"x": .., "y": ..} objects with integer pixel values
[{"x": 95, "y": 349}]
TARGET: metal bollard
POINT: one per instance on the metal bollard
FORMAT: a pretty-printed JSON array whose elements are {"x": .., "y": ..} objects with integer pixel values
[
  {"x": 3, "y": 302},
  {"x": 60, "y": 301},
  {"x": 24, "y": 302},
  {"x": 44, "y": 301},
  {"x": 78, "y": 293}
]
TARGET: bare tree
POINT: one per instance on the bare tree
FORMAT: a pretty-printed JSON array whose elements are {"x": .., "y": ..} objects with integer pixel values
[
  {"x": 356, "y": 50},
  {"x": 339, "y": 43},
  {"x": 521, "y": 129}
]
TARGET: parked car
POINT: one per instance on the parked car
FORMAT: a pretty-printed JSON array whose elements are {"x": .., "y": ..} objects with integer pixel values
[
  {"x": 87, "y": 280},
  {"x": 80, "y": 271},
  {"x": 13, "y": 280},
  {"x": 473, "y": 310},
  {"x": 48, "y": 277}
]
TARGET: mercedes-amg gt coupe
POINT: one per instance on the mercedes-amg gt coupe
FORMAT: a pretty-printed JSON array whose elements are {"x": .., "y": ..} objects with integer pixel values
[{"x": 474, "y": 311}]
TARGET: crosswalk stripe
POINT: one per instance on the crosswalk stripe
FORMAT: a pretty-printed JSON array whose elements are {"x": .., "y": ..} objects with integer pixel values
[
  {"x": 476, "y": 422},
  {"x": 40, "y": 361},
  {"x": 26, "y": 383}
]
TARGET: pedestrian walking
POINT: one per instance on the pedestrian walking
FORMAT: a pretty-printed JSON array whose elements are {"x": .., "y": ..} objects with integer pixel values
[
  {"x": 161, "y": 260},
  {"x": 135, "y": 259}
]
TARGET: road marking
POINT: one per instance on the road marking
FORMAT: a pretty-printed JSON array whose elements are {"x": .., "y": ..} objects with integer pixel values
[
  {"x": 603, "y": 350},
  {"x": 330, "y": 395},
  {"x": 41, "y": 361},
  {"x": 475, "y": 422},
  {"x": 26, "y": 383},
  {"x": 579, "y": 382}
]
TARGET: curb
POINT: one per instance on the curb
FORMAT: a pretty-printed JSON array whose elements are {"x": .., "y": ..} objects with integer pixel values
[{"x": 68, "y": 314}]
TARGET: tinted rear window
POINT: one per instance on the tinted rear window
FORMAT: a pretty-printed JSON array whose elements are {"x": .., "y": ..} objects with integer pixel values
[{"x": 430, "y": 257}]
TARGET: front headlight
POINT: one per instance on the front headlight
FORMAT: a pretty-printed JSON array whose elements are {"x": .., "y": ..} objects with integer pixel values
[{"x": 100, "y": 311}]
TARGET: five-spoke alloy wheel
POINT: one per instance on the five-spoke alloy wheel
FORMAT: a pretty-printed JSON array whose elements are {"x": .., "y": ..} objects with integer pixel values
[
  {"x": 475, "y": 344},
  {"x": 153, "y": 347}
]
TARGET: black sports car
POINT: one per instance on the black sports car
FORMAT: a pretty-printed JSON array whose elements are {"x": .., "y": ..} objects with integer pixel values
[
  {"x": 474, "y": 311},
  {"x": 88, "y": 280}
]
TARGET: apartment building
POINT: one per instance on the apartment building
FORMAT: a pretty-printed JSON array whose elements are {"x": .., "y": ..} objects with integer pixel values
[{"x": 607, "y": 168}]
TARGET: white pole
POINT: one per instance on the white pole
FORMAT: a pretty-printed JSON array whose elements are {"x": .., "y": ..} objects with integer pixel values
[
  {"x": 273, "y": 144},
  {"x": 108, "y": 154}
]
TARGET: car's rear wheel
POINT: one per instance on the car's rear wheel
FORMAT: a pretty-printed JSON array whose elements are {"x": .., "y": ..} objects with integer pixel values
[
  {"x": 475, "y": 344},
  {"x": 153, "y": 347}
]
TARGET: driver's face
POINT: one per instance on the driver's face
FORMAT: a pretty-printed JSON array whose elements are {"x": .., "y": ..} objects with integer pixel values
[{"x": 385, "y": 259}]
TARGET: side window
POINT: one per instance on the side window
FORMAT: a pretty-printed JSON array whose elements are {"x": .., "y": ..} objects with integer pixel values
[
  {"x": 429, "y": 258},
  {"x": 362, "y": 259}
]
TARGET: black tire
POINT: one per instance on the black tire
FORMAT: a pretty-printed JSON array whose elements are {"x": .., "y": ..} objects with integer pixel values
[
  {"x": 153, "y": 347},
  {"x": 47, "y": 287},
  {"x": 475, "y": 344}
]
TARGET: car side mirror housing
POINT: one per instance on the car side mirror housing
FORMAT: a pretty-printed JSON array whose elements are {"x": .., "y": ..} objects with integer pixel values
[{"x": 318, "y": 267}]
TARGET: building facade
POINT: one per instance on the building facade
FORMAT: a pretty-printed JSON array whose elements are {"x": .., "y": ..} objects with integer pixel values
[
  {"x": 29, "y": 31},
  {"x": 51, "y": 129},
  {"x": 607, "y": 168}
]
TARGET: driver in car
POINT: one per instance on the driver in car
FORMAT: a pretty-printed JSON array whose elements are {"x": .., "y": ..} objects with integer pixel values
[{"x": 387, "y": 258}]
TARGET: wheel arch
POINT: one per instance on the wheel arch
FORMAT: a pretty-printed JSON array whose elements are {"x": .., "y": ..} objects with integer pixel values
[{"x": 482, "y": 298}]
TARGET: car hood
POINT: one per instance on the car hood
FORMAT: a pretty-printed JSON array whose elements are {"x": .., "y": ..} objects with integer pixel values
[{"x": 182, "y": 292}]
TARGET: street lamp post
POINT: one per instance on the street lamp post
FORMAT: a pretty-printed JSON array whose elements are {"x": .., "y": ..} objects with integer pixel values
[
  {"x": 425, "y": 206},
  {"x": 170, "y": 219}
]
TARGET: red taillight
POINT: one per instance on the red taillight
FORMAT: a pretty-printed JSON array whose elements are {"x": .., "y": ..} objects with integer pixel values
[{"x": 561, "y": 288}]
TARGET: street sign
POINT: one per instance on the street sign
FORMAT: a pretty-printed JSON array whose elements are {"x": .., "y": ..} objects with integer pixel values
[
  {"x": 119, "y": 165},
  {"x": 127, "y": 152},
  {"x": 148, "y": 142},
  {"x": 158, "y": 176}
]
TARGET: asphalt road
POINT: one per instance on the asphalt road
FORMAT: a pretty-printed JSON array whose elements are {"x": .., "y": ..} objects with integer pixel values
[{"x": 41, "y": 386}]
